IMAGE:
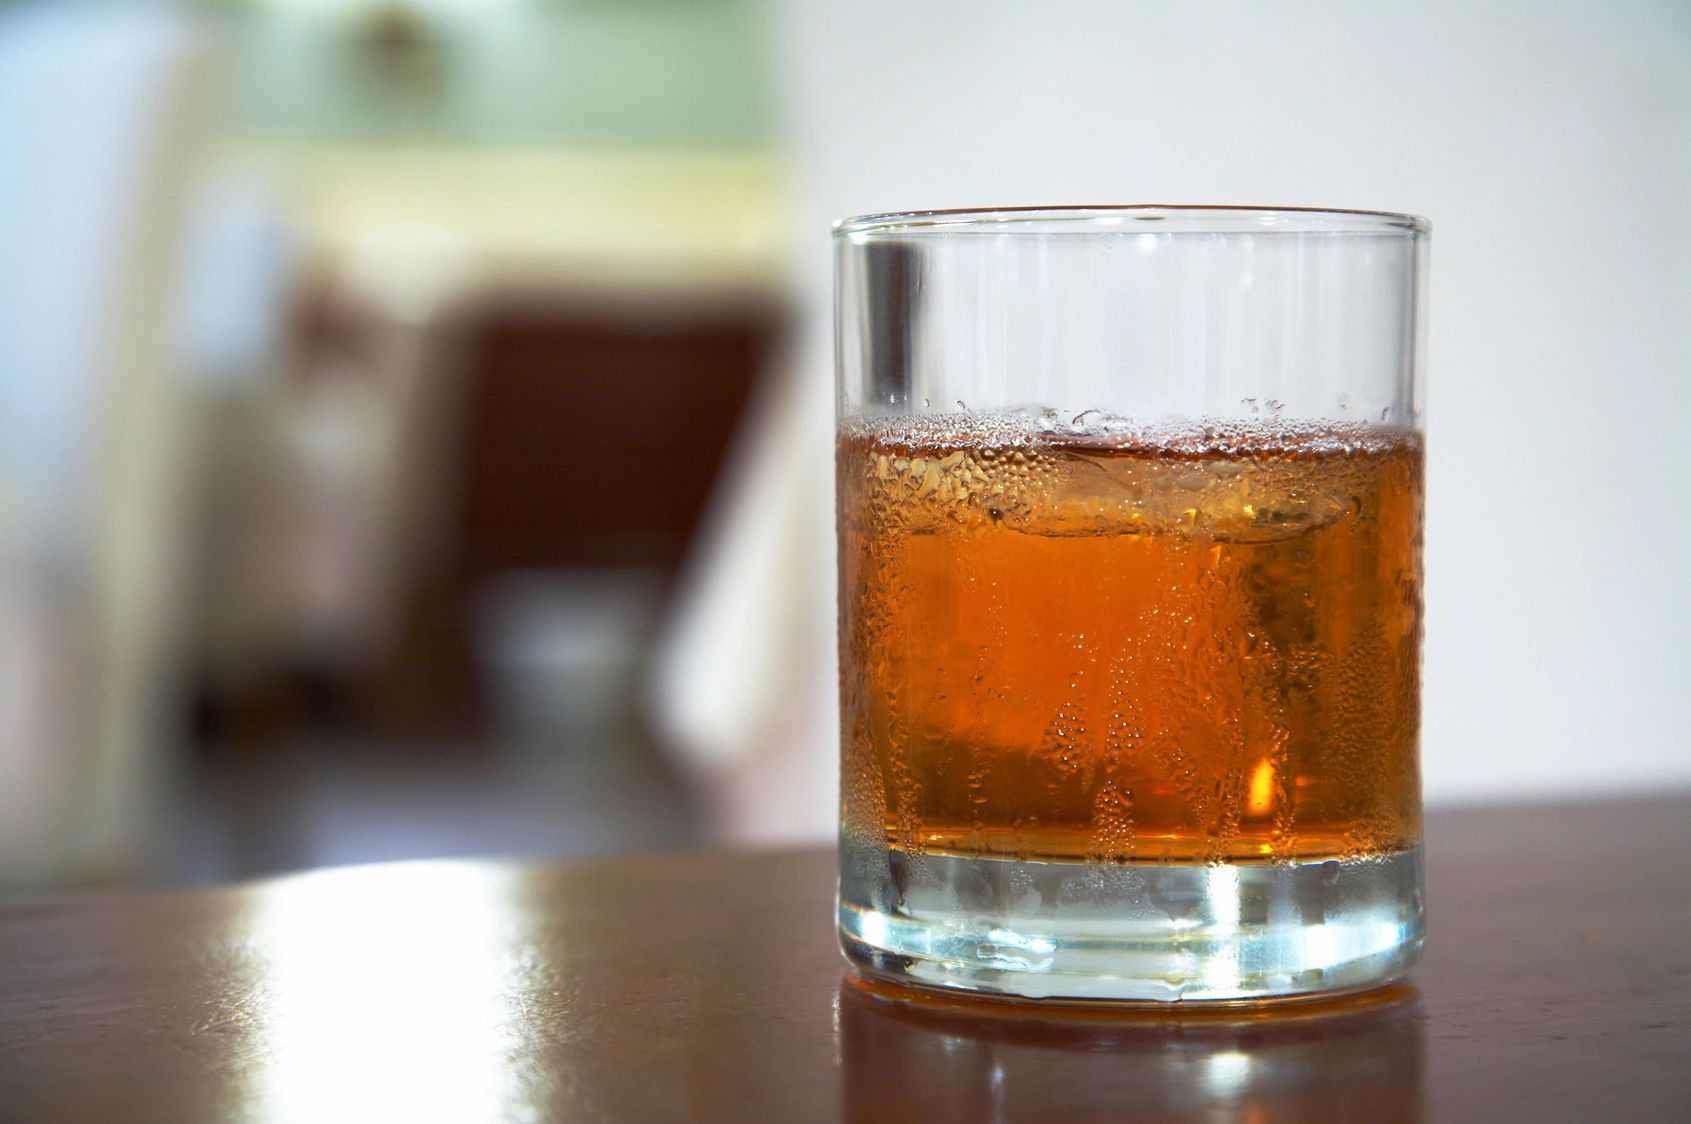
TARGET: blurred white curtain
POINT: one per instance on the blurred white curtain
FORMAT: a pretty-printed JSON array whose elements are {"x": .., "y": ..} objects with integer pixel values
[
  {"x": 98, "y": 110},
  {"x": 744, "y": 681},
  {"x": 1551, "y": 145}
]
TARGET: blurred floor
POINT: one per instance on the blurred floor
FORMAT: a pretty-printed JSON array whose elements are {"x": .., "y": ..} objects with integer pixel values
[{"x": 331, "y": 803}]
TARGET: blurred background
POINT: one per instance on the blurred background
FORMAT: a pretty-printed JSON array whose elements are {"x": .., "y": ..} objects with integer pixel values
[{"x": 414, "y": 414}]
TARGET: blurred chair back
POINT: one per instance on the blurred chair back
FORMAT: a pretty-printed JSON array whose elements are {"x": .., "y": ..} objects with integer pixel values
[{"x": 584, "y": 447}]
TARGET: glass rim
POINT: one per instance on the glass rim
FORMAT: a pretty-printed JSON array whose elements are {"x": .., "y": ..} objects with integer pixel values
[{"x": 1096, "y": 218}]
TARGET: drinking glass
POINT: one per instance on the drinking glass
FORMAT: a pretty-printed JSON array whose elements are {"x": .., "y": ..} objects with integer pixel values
[{"x": 1129, "y": 509}]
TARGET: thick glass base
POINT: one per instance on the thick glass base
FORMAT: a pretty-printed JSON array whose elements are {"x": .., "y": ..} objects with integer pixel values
[{"x": 1154, "y": 933}]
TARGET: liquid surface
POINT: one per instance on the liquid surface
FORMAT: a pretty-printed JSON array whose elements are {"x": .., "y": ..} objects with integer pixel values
[{"x": 1130, "y": 646}]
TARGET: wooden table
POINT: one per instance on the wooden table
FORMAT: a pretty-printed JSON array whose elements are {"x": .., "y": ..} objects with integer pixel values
[{"x": 1556, "y": 986}]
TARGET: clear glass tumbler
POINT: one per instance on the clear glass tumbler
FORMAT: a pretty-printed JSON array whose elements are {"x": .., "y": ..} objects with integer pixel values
[{"x": 1129, "y": 507}]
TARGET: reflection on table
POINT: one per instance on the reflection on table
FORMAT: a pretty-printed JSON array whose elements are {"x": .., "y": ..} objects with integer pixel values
[{"x": 909, "y": 1056}]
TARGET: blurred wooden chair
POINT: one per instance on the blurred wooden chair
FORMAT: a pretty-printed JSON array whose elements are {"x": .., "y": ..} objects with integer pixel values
[{"x": 580, "y": 440}]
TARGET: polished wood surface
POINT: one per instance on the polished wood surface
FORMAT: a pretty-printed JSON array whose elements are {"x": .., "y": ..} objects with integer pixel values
[{"x": 1556, "y": 986}]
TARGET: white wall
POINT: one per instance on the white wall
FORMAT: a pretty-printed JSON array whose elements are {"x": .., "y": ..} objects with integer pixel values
[{"x": 1551, "y": 146}]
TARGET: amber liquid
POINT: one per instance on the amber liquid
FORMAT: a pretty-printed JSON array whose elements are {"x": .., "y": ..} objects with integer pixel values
[{"x": 1192, "y": 646}]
